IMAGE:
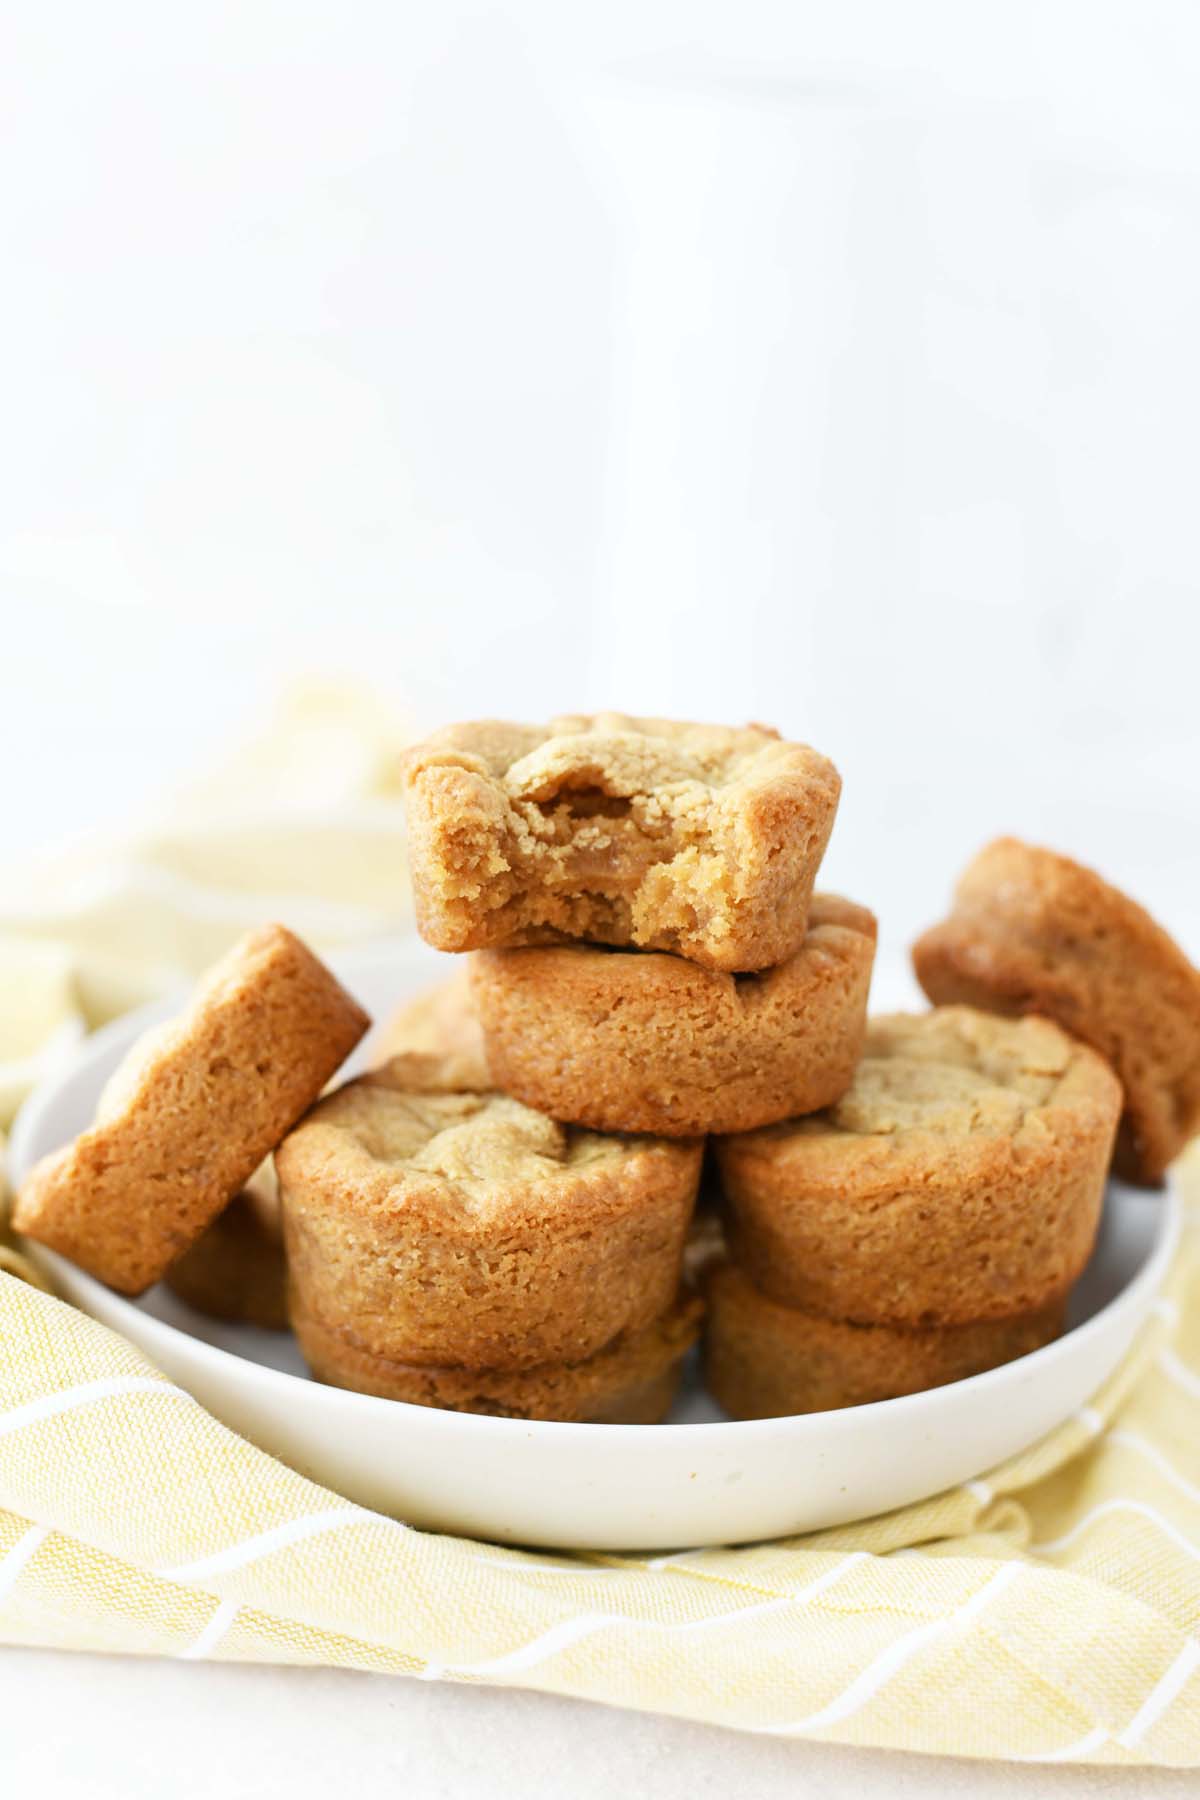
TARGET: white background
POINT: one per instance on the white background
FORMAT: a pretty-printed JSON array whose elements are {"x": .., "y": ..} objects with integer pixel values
[{"x": 829, "y": 365}]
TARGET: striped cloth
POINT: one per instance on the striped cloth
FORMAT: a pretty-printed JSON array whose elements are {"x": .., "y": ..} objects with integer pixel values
[{"x": 1048, "y": 1611}]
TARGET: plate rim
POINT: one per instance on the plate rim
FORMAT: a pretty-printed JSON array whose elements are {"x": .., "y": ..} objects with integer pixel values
[{"x": 346, "y": 962}]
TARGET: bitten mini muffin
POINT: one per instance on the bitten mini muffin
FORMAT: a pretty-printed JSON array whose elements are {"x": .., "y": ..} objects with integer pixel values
[
  {"x": 765, "y": 1361},
  {"x": 1031, "y": 931},
  {"x": 192, "y": 1111},
  {"x": 464, "y": 1229},
  {"x": 959, "y": 1178},
  {"x": 695, "y": 839},
  {"x": 639, "y": 1041},
  {"x": 236, "y": 1269},
  {"x": 630, "y": 1382}
]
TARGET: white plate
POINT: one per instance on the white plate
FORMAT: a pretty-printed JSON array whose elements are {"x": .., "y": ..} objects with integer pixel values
[{"x": 701, "y": 1479}]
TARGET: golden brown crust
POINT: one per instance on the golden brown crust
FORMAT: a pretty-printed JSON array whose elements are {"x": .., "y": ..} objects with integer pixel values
[
  {"x": 629, "y": 1382},
  {"x": 959, "y": 1178},
  {"x": 467, "y": 1229},
  {"x": 764, "y": 1361},
  {"x": 639, "y": 1041},
  {"x": 694, "y": 839},
  {"x": 191, "y": 1113},
  {"x": 1031, "y": 931},
  {"x": 236, "y": 1269}
]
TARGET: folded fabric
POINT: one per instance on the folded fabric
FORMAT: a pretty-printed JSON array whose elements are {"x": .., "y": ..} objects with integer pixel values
[
  {"x": 304, "y": 824},
  {"x": 1048, "y": 1611}
]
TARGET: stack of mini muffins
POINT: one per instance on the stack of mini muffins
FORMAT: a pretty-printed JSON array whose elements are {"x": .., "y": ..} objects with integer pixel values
[
  {"x": 501, "y": 1215},
  {"x": 929, "y": 1225},
  {"x": 650, "y": 966}
]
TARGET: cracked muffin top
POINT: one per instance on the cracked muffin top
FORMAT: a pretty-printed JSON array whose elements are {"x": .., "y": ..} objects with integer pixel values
[
  {"x": 955, "y": 1073},
  {"x": 386, "y": 1138},
  {"x": 472, "y": 1140},
  {"x": 698, "y": 839},
  {"x": 627, "y": 756}
]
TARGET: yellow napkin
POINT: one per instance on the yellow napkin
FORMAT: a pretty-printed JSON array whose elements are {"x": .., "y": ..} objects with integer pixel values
[{"x": 1048, "y": 1611}]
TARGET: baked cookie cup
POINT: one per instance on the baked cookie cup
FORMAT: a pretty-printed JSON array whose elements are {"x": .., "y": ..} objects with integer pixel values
[
  {"x": 466, "y": 1230},
  {"x": 640, "y": 1041},
  {"x": 766, "y": 1361},
  {"x": 192, "y": 1111},
  {"x": 959, "y": 1178},
  {"x": 695, "y": 839},
  {"x": 1034, "y": 932},
  {"x": 629, "y": 1382}
]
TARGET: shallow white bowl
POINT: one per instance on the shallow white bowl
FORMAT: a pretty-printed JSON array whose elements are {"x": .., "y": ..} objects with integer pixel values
[{"x": 701, "y": 1479}]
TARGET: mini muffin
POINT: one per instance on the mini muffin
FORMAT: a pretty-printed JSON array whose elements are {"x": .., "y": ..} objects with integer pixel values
[
  {"x": 441, "y": 1025},
  {"x": 765, "y": 1361},
  {"x": 640, "y": 1041},
  {"x": 631, "y": 1381},
  {"x": 192, "y": 1111},
  {"x": 695, "y": 839},
  {"x": 959, "y": 1178},
  {"x": 466, "y": 1230},
  {"x": 1034, "y": 932},
  {"x": 236, "y": 1270}
]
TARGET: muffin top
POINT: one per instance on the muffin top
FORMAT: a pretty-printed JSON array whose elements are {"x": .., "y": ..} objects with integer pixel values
[
  {"x": 954, "y": 1076},
  {"x": 473, "y": 1140},
  {"x": 621, "y": 755},
  {"x": 953, "y": 1072},
  {"x": 393, "y": 1139}
]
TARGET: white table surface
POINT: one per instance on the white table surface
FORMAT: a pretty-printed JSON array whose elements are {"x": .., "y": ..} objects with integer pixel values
[{"x": 114, "y": 1729}]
